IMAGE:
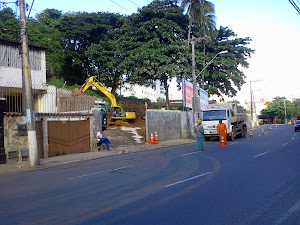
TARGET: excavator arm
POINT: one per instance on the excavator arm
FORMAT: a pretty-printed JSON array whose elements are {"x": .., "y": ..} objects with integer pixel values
[
  {"x": 121, "y": 115},
  {"x": 90, "y": 81}
]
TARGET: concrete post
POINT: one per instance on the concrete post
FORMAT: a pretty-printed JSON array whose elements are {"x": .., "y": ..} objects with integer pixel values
[
  {"x": 45, "y": 137},
  {"x": 95, "y": 126}
]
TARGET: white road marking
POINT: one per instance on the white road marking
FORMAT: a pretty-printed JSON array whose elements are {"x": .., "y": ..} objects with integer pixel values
[
  {"x": 288, "y": 213},
  {"x": 90, "y": 174},
  {"x": 189, "y": 153},
  {"x": 260, "y": 154},
  {"x": 191, "y": 178},
  {"x": 284, "y": 144},
  {"x": 124, "y": 167},
  {"x": 70, "y": 178}
]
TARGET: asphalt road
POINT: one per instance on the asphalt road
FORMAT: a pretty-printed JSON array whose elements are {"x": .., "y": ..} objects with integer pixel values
[{"x": 251, "y": 181}]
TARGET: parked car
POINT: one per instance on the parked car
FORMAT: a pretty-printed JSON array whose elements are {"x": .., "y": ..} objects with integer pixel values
[{"x": 297, "y": 125}]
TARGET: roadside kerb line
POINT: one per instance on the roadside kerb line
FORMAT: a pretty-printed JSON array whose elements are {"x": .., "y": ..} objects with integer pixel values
[
  {"x": 90, "y": 174},
  {"x": 191, "y": 178},
  {"x": 260, "y": 154}
]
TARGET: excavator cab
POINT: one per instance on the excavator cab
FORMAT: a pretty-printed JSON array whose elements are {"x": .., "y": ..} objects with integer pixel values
[{"x": 119, "y": 113}]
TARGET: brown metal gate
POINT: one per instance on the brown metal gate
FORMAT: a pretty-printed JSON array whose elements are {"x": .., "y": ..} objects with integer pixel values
[
  {"x": 67, "y": 137},
  {"x": 39, "y": 138},
  {"x": 2, "y": 149}
]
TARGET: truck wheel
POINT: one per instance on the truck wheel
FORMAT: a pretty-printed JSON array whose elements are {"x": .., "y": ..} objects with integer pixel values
[
  {"x": 230, "y": 138},
  {"x": 244, "y": 131},
  {"x": 207, "y": 138}
]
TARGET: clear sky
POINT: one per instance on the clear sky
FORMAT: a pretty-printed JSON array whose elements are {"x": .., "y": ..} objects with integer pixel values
[{"x": 273, "y": 25}]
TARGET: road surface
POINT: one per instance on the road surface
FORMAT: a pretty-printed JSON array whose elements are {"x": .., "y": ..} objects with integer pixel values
[{"x": 250, "y": 181}]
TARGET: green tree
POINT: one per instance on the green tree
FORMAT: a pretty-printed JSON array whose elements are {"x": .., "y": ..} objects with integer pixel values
[
  {"x": 106, "y": 58},
  {"x": 277, "y": 109},
  {"x": 9, "y": 25},
  {"x": 81, "y": 30},
  {"x": 295, "y": 107},
  {"x": 154, "y": 44},
  {"x": 224, "y": 76},
  {"x": 44, "y": 31},
  {"x": 200, "y": 12}
]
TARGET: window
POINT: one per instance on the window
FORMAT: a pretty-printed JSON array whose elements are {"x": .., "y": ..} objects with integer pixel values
[
  {"x": 214, "y": 115},
  {"x": 10, "y": 57}
]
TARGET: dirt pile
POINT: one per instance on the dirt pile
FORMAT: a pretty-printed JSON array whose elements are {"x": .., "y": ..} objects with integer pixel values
[{"x": 139, "y": 108}]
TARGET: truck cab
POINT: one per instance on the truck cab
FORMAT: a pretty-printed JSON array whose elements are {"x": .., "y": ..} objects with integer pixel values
[
  {"x": 233, "y": 117},
  {"x": 211, "y": 119}
]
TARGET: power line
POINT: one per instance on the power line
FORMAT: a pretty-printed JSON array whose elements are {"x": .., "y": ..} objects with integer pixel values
[
  {"x": 4, "y": 4},
  {"x": 120, "y": 6},
  {"x": 37, "y": 10},
  {"x": 134, "y": 3},
  {"x": 295, "y": 5},
  {"x": 30, "y": 9}
]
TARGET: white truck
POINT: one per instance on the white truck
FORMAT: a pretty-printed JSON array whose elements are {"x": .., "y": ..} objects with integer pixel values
[{"x": 230, "y": 114}]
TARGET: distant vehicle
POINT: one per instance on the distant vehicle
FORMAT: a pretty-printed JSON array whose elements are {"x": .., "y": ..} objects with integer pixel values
[
  {"x": 230, "y": 114},
  {"x": 103, "y": 110},
  {"x": 297, "y": 125}
]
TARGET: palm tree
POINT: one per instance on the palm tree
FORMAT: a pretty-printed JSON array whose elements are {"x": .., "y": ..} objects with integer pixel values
[{"x": 200, "y": 12}]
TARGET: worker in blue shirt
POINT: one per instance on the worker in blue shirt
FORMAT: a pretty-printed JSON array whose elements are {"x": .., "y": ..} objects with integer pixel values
[{"x": 101, "y": 139}]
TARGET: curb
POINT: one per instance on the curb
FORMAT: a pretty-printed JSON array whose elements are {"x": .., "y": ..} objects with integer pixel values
[{"x": 12, "y": 167}]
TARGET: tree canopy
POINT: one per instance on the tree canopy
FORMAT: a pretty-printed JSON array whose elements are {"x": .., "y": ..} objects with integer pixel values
[
  {"x": 279, "y": 107},
  {"x": 138, "y": 49}
]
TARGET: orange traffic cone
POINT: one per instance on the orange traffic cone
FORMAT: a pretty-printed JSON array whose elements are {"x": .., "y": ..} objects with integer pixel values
[
  {"x": 156, "y": 138},
  {"x": 276, "y": 126},
  {"x": 262, "y": 131},
  {"x": 222, "y": 141},
  {"x": 270, "y": 128},
  {"x": 251, "y": 135},
  {"x": 151, "y": 139}
]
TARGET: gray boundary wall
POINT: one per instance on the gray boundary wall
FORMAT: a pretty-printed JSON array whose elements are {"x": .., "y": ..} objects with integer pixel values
[{"x": 169, "y": 124}]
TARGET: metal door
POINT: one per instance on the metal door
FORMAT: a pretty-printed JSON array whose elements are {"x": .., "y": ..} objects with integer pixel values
[{"x": 2, "y": 149}]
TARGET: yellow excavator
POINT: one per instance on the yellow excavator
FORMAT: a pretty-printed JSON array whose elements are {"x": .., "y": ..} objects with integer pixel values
[{"x": 118, "y": 113}]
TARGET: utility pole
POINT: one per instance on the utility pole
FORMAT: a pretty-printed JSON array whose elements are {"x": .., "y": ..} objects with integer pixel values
[
  {"x": 27, "y": 90},
  {"x": 251, "y": 100},
  {"x": 193, "y": 40},
  {"x": 285, "y": 119}
]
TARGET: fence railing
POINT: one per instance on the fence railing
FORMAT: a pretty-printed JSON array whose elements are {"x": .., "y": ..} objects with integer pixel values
[{"x": 51, "y": 100}]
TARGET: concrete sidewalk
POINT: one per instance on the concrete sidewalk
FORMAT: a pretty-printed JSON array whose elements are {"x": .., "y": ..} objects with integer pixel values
[{"x": 73, "y": 158}]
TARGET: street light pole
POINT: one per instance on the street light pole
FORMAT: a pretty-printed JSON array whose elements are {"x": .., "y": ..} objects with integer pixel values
[
  {"x": 285, "y": 119},
  {"x": 195, "y": 105},
  {"x": 207, "y": 64},
  {"x": 193, "y": 40}
]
